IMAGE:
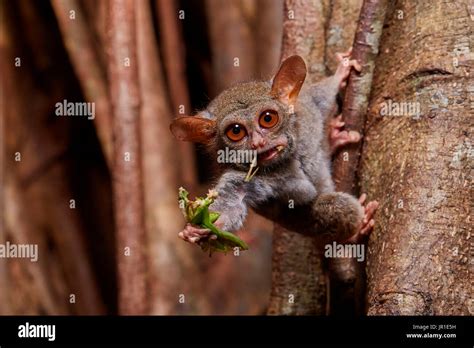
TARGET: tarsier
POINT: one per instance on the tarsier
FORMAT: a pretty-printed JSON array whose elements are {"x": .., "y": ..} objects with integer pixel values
[{"x": 291, "y": 126}]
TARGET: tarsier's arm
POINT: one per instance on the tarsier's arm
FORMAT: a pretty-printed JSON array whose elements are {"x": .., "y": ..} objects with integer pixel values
[
  {"x": 230, "y": 202},
  {"x": 323, "y": 95}
]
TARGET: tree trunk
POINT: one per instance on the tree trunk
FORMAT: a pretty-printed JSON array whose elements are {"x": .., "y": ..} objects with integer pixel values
[
  {"x": 174, "y": 63},
  {"x": 81, "y": 44},
  {"x": 268, "y": 32},
  {"x": 232, "y": 44},
  {"x": 347, "y": 276},
  {"x": 163, "y": 217},
  {"x": 38, "y": 184},
  {"x": 127, "y": 173},
  {"x": 418, "y": 164},
  {"x": 298, "y": 279}
]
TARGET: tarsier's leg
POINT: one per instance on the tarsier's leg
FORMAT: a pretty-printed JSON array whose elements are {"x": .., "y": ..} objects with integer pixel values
[
  {"x": 340, "y": 217},
  {"x": 324, "y": 92}
]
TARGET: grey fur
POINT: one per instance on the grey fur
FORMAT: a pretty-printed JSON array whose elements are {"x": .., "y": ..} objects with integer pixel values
[{"x": 303, "y": 174}]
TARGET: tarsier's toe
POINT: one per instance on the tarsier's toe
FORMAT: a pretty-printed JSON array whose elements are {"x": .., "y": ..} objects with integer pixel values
[
  {"x": 368, "y": 222},
  {"x": 337, "y": 123}
]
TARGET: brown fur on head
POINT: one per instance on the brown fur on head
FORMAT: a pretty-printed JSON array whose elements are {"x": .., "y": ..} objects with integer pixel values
[{"x": 250, "y": 116}]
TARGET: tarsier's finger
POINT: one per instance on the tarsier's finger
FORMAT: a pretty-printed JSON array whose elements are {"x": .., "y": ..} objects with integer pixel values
[
  {"x": 367, "y": 228},
  {"x": 353, "y": 137},
  {"x": 202, "y": 231},
  {"x": 348, "y": 53},
  {"x": 341, "y": 138},
  {"x": 362, "y": 198},
  {"x": 355, "y": 64},
  {"x": 191, "y": 234},
  {"x": 194, "y": 239},
  {"x": 341, "y": 55},
  {"x": 197, "y": 230},
  {"x": 337, "y": 122}
]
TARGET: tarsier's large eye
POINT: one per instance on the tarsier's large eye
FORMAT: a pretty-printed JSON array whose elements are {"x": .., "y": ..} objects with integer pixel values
[
  {"x": 236, "y": 132},
  {"x": 268, "y": 119}
]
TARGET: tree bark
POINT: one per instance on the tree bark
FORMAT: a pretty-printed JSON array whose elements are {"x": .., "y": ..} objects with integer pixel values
[
  {"x": 127, "y": 173},
  {"x": 174, "y": 63},
  {"x": 419, "y": 165},
  {"x": 298, "y": 279},
  {"x": 39, "y": 185},
  {"x": 347, "y": 275},
  {"x": 268, "y": 33},
  {"x": 341, "y": 28},
  {"x": 163, "y": 215},
  {"x": 232, "y": 43},
  {"x": 81, "y": 44}
]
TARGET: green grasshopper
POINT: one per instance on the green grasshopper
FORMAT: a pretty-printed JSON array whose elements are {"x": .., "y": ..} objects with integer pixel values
[{"x": 197, "y": 213}]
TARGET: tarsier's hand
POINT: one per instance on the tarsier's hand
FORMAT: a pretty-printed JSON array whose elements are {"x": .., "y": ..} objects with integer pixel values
[
  {"x": 338, "y": 137},
  {"x": 367, "y": 224},
  {"x": 193, "y": 233}
]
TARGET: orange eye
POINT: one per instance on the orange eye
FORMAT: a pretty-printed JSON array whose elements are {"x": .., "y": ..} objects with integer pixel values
[
  {"x": 236, "y": 132},
  {"x": 268, "y": 119}
]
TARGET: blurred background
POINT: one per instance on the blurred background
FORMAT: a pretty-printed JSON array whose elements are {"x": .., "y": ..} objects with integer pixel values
[
  {"x": 58, "y": 190},
  {"x": 106, "y": 227}
]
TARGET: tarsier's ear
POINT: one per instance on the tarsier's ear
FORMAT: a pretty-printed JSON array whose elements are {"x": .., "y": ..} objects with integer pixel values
[
  {"x": 194, "y": 128},
  {"x": 289, "y": 79}
]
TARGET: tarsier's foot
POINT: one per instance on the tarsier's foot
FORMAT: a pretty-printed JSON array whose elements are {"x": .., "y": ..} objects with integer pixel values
[
  {"x": 339, "y": 137},
  {"x": 368, "y": 222},
  {"x": 344, "y": 67},
  {"x": 193, "y": 234}
]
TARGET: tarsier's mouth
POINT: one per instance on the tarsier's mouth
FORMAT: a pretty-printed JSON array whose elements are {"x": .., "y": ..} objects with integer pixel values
[
  {"x": 263, "y": 156},
  {"x": 270, "y": 154}
]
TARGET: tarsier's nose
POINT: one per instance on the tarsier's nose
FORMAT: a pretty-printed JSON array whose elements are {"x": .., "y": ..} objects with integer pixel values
[{"x": 257, "y": 141}]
